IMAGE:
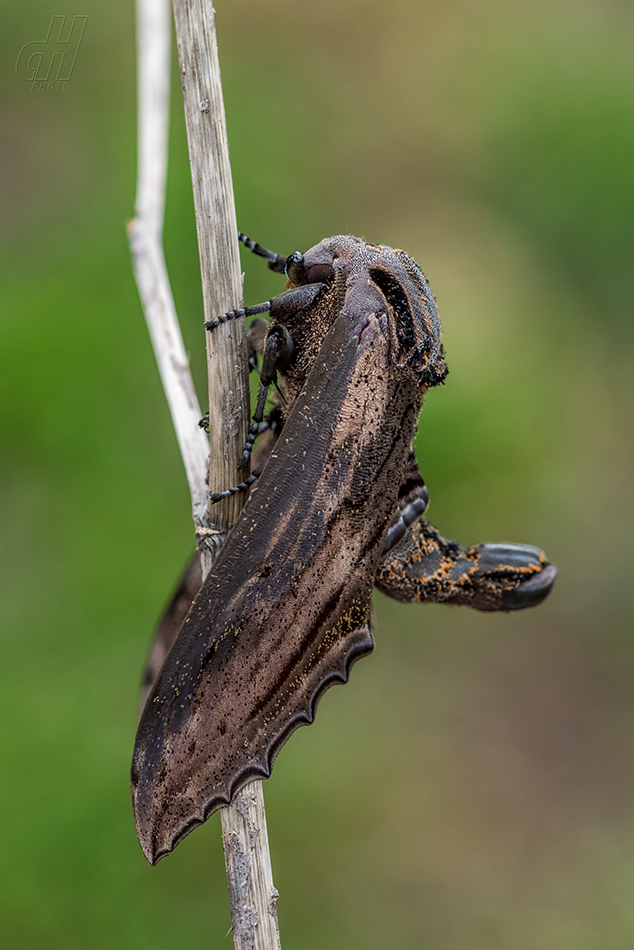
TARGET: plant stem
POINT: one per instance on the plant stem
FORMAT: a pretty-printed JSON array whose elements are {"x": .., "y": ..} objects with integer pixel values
[{"x": 252, "y": 895}]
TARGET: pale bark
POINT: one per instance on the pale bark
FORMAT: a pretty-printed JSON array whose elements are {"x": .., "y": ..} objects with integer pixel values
[
  {"x": 218, "y": 249},
  {"x": 146, "y": 234}
]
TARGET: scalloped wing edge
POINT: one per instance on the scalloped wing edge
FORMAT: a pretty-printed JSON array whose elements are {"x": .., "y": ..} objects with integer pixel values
[{"x": 252, "y": 772}]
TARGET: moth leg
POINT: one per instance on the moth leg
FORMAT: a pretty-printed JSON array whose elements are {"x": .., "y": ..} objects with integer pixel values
[
  {"x": 278, "y": 349},
  {"x": 255, "y": 343},
  {"x": 256, "y": 335},
  {"x": 258, "y": 418},
  {"x": 236, "y": 314},
  {"x": 276, "y": 262},
  {"x": 413, "y": 499},
  {"x": 292, "y": 266},
  {"x": 218, "y": 496},
  {"x": 425, "y": 567},
  {"x": 273, "y": 425}
]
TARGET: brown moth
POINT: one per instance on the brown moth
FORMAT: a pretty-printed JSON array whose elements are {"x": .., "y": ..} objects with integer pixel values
[{"x": 285, "y": 611}]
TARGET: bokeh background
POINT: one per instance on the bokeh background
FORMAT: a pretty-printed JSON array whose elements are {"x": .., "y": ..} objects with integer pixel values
[{"x": 473, "y": 785}]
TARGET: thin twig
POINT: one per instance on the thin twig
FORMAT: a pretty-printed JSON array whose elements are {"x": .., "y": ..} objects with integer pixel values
[
  {"x": 252, "y": 895},
  {"x": 146, "y": 232}
]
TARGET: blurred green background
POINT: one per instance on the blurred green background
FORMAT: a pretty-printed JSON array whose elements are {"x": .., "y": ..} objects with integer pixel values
[{"x": 474, "y": 783}]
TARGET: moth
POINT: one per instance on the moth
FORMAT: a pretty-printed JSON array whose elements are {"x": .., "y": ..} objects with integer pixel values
[{"x": 353, "y": 344}]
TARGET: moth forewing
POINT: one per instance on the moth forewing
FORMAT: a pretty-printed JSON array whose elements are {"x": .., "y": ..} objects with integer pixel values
[{"x": 285, "y": 610}]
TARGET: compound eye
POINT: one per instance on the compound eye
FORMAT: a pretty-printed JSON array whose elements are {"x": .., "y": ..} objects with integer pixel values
[
  {"x": 299, "y": 274},
  {"x": 295, "y": 268},
  {"x": 320, "y": 274}
]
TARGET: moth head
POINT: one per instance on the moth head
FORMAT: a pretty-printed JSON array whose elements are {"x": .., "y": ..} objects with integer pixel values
[
  {"x": 320, "y": 266},
  {"x": 390, "y": 277},
  {"x": 301, "y": 269},
  {"x": 375, "y": 272}
]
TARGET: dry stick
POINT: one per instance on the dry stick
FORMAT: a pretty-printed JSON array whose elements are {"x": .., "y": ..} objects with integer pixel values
[{"x": 252, "y": 895}]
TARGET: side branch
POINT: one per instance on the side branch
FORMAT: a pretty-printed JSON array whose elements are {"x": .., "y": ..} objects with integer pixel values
[{"x": 145, "y": 233}]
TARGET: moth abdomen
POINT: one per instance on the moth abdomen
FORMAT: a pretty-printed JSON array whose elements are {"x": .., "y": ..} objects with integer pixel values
[{"x": 423, "y": 567}]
